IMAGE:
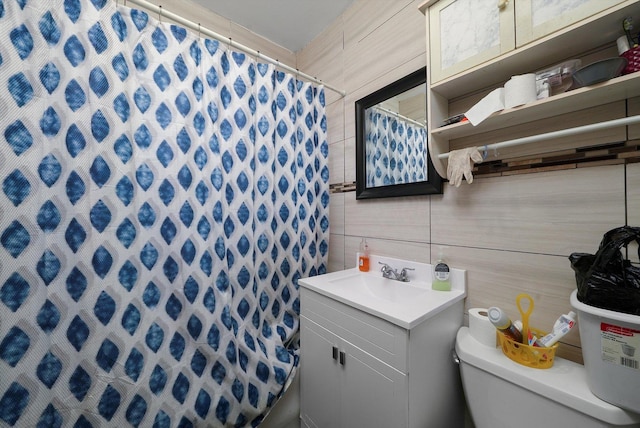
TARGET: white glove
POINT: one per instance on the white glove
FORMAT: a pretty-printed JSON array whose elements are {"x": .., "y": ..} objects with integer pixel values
[{"x": 461, "y": 163}]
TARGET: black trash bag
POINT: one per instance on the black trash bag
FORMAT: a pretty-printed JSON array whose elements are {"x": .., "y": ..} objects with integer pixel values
[{"x": 606, "y": 279}]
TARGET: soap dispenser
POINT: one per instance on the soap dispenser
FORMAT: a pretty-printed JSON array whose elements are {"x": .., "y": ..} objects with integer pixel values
[
  {"x": 363, "y": 257},
  {"x": 441, "y": 280}
]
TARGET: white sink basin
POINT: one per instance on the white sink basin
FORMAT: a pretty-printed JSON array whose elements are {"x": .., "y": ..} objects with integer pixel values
[
  {"x": 377, "y": 287},
  {"x": 405, "y": 304}
]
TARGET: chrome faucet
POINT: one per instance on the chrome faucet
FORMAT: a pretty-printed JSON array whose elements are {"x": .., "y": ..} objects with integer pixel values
[{"x": 391, "y": 273}]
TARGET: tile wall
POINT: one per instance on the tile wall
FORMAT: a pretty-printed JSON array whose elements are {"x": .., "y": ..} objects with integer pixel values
[{"x": 512, "y": 229}]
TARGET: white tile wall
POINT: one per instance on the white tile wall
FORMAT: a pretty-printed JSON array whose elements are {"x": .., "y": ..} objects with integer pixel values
[
  {"x": 555, "y": 212},
  {"x": 512, "y": 234},
  {"x": 398, "y": 219}
]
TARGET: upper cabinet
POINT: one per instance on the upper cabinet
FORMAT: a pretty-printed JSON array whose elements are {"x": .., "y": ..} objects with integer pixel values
[
  {"x": 464, "y": 33},
  {"x": 538, "y": 18},
  {"x": 467, "y": 33},
  {"x": 473, "y": 49}
]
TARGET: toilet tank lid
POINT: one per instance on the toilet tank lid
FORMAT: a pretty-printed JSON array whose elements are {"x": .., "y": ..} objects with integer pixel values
[{"x": 565, "y": 382}]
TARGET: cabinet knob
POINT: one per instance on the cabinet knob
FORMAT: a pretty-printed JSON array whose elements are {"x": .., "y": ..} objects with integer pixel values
[
  {"x": 502, "y": 4},
  {"x": 334, "y": 353}
]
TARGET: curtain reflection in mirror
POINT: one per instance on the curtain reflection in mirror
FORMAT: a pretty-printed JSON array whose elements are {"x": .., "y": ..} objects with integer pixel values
[{"x": 396, "y": 148}]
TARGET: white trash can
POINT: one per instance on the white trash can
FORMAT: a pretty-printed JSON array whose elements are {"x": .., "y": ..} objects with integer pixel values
[{"x": 611, "y": 352}]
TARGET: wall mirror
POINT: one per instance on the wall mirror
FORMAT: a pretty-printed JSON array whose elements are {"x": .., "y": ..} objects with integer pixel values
[{"x": 391, "y": 141}]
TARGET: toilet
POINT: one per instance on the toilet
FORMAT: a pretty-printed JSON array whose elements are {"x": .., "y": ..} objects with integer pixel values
[{"x": 501, "y": 393}]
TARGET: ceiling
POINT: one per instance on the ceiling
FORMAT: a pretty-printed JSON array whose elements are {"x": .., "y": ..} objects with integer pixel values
[{"x": 291, "y": 24}]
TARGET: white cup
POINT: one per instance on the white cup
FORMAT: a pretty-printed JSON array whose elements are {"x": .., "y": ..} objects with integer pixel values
[{"x": 623, "y": 44}]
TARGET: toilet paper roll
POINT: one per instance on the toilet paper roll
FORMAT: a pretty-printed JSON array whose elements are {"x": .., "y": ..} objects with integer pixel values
[
  {"x": 491, "y": 103},
  {"x": 481, "y": 328},
  {"x": 520, "y": 90}
]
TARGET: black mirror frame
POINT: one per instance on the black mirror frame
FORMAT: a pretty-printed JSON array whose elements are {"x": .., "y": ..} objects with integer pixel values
[{"x": 432, "y": 186}]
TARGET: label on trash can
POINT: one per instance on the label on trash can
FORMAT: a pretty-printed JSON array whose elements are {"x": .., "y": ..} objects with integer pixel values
[{"x": 620, "y": 345}]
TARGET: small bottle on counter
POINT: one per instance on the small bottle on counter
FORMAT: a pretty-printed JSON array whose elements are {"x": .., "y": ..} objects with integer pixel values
[
  {"x": 502, "y": 322},
  {"x": 441, "y": 280},
  {"x": 363, "y": 256}
]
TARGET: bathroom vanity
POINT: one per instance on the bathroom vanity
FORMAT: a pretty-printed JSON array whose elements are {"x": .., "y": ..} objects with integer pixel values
[{"x": 376, "y": 352}]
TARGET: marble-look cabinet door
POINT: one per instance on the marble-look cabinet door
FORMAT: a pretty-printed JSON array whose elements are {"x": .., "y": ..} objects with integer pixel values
[
  {"x": 538, "y": 18},
  {"x": 465, "y": 33}
]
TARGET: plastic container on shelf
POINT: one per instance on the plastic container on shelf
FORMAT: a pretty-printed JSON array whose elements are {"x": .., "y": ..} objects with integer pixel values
[
  {"x": 633, "y": 58},
  {"x": 556, "y": 79},
  {"x": 611, "y": 352},
  {"x": 530, "y": 356}
]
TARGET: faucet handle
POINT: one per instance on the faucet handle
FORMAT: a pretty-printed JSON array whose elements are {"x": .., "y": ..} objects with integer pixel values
[
  {"x": 403, "y": 274},
  {"x": 385, "y": 267}
]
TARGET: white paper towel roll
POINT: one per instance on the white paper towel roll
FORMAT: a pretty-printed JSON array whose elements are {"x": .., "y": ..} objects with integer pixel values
[
  {"x": 520, "y": 90},
  {"x": 481, "y": 328}
]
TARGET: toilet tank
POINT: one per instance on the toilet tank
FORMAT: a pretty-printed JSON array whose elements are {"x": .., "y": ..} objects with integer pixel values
[{"x": 501, "y": 393}]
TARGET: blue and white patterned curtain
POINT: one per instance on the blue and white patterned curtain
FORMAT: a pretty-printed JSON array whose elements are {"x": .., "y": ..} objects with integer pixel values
[
  {"x": 396, "y": 149},
  {"x": 161, "y": 196}
]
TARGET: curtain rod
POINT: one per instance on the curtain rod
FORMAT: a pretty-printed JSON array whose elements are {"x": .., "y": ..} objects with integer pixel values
[
  {"x": 227, "y": 40},
  {"x": 557, "y": 134},
  {"x": 405, "y": 118}
]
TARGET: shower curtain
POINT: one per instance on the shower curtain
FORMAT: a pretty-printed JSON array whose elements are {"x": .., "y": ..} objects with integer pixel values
[
  {"x": 396, "y": 149},
  {"x": 161, "y": 196}
]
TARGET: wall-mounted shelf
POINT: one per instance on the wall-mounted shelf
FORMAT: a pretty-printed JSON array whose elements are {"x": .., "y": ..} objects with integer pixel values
[
  {"x": 593, "y": 37},
  {"x": 612, "y": 90}
]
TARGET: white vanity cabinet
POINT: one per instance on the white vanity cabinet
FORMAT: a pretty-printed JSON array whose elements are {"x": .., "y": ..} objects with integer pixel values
[
  {"x": 359, "y": 370},
  {"x": 344, "y": 386},
  {"x": 467, "y": 33}
]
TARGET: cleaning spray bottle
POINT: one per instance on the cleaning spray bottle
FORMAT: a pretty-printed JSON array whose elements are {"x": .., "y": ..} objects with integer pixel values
[
  {"x": 363, "y": 256},
  {"x": 441, "y": 280}
]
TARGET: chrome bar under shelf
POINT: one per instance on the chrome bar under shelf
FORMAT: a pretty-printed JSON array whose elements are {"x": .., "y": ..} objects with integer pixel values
[{"x": 557, "y": 134}]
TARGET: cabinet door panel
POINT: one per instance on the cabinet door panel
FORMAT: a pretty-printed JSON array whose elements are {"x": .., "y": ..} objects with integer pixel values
[
  {"x": 319, "y": 380},
  {"x": 373, "y": 393},
  {"x": 386, "y": 341},
  {"x": 538, "y": 18},
  {"x": 466, "y": 33}
]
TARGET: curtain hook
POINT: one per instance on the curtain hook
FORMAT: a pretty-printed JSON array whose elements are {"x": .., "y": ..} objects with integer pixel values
[
  {"x": 199, "y": 34},
  {"x": 160, "y": 13}
]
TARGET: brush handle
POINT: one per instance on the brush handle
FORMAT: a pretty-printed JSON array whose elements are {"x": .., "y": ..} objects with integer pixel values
[{"x": 627, "y": 26}]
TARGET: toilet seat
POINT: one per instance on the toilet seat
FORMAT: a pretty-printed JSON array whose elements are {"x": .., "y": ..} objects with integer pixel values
[{"x": 564, "y": 383}]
